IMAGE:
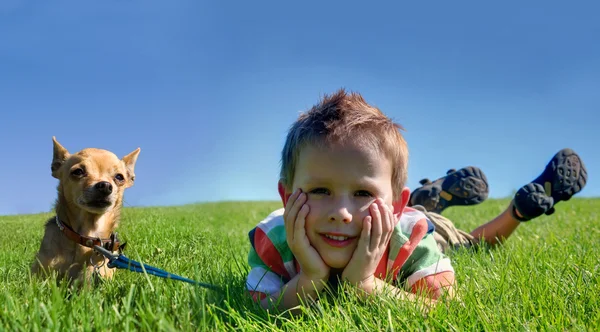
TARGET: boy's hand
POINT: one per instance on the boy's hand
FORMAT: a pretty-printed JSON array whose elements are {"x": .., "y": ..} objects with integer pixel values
[
  {"x": 375, "y": 236},
  {"x": 311, "y": 263}
]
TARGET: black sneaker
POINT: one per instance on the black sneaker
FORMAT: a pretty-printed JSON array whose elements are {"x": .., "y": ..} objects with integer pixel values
[
  {"x": 467, "y": 186},
  {"x": 531, "y": 201},
  {"x": 564, "y": 176}
]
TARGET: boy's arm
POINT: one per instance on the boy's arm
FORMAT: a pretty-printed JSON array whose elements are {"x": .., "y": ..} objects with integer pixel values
[
  {"x": 313, "y": 271},
  {"x": 432, "y": 286},
  {"x": 300, "y": 289},
  {"x": 431, "y": 273},
  {"x": 436, "y": 285},
  {"x": 267, "y": 287}
]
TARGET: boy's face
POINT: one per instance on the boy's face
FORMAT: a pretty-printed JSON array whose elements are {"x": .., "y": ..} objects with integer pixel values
[{"x": 340, "y": 182}]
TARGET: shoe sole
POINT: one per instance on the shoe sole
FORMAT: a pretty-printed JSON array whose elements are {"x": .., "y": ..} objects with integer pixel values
[
  {"x": 531, "y": 201},
  {"x": 564, "y": 175},
  {"x": 467, "y": 186}
]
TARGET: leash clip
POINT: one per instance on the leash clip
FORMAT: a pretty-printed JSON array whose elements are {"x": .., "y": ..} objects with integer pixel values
[
  {"x": 101, "y": 264},
  {"x": 101, "y": 250}
]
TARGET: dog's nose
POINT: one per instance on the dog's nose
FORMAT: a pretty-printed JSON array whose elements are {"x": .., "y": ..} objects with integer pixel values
[{"x": 104, "y": 187}]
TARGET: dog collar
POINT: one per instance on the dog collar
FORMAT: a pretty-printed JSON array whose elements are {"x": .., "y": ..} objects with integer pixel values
[{"x": 112, "y": 243}]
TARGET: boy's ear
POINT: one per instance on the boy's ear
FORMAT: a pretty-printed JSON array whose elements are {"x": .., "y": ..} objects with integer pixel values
[
  {"x": 402, "y": 201},
  {"x": 282, "y": 193},
  {"x": 129, "y": 161},
  {"x": 60, "y": 154}
]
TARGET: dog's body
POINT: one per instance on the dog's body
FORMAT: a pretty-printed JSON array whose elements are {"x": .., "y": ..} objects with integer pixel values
[{"x": 90, "y": 196}]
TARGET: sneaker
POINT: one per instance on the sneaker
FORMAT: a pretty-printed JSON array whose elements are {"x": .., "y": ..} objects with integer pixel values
[
  {"x": 467, "y": 186},
  {"x": 564, "y": 176},
  {"x": 531, "y": 201}
]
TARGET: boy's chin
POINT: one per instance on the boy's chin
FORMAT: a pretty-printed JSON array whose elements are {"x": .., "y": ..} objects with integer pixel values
[{"x": 337, "y": 263}]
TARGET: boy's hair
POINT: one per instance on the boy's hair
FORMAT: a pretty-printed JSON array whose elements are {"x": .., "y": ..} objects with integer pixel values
[{"x": 346, "y": 118}]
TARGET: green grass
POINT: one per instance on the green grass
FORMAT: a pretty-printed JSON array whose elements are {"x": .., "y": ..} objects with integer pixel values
[{"x": 546, "y": 277}]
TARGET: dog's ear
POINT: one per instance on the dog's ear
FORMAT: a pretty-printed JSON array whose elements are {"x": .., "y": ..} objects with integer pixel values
[
  {"x": 129, "y": 161},
  {"x": 59, "y": 156}
]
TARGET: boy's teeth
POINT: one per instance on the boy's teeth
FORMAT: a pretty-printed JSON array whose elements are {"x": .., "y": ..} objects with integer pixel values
[{"x": 337, "y": 238}]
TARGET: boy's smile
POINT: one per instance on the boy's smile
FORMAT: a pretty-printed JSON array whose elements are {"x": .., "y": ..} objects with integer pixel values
[
  {"x": 340, "y": 182},
  {"x": 337, "y": 240}
]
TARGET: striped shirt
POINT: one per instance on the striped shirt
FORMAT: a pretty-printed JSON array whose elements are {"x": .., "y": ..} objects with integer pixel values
[{"x": 412, "y": 254}]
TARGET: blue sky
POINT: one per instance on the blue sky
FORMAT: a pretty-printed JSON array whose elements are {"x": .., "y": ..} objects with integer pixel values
[{"x": 208, "y": 89}]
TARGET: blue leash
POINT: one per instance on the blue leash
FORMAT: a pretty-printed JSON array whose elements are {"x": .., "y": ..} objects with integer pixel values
[{"x": 122, "y": 262}]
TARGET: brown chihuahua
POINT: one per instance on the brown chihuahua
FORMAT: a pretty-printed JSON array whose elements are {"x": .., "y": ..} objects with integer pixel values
[{"x": 90, "y": 196}]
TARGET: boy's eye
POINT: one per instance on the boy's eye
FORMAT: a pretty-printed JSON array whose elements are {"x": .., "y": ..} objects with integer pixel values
[
  {"x": 319, "y": 191},
  {"x": 363, "y": 193}
]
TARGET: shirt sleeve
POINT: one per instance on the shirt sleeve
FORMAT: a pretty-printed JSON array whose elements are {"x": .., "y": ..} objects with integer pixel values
[
  {"x": 426, "y": 260},
  {"x": 261, "y": 280},
  {"x": 271, "y": 262}
]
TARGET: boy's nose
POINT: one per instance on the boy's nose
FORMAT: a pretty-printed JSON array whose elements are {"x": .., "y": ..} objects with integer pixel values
[{"x": 340, "y": 214}]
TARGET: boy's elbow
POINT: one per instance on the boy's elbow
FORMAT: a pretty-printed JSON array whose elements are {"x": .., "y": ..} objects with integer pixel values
[
  {"x": 440, "y": 285},
  {"x": 257, "y": 296},
  {"x": 445, "y": 282},
  {"x": 262, "y": 299}
]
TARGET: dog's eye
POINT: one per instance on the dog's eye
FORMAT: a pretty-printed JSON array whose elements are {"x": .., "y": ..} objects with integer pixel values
[
  {"x": 119, "y": 177},
  {"x": 78, "y": 172}
]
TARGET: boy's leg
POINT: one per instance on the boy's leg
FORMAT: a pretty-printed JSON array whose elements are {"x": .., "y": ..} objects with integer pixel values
[
  {"x": 467, "y": 186},
  {"x": 498, "y": 229},
  {"x": 564, "y": 176}
]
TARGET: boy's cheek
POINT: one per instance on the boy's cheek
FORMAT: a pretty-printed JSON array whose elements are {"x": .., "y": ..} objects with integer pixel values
[
  {"x": 310, "y": 220},
  {"x": 365, "y": 210},
  {"x": 315, "y": 206}
]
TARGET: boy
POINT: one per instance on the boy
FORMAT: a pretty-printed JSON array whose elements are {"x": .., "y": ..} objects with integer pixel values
[
  {"x": 346, "y": 217},
  {"x": 346, "y": 212}
]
